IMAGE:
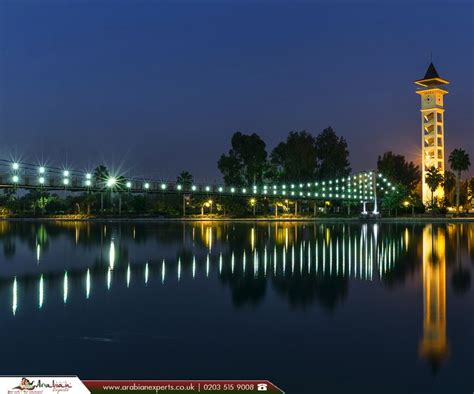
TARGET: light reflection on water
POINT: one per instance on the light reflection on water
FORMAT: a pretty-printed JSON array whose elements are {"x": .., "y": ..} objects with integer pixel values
[{"x": 304, "y": 264}]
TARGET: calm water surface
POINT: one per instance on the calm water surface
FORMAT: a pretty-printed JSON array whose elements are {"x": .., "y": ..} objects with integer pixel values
[{"x": 316, "y": 308}]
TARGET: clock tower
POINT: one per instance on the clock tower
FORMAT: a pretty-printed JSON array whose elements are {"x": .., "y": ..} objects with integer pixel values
[{"x": 431, "y": 91}]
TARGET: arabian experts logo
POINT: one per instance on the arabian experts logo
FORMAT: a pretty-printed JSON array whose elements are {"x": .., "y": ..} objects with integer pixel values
[{"x": 37, "y": 387}]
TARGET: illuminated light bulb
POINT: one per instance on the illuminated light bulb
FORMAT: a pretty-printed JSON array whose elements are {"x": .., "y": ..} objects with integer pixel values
[
  {"x": 66, "y": 173},
  {"x": 42, "y": 170},
  {"x": 66, "y": 181},
  {"x": 112, "y": 181},
  {"x": 15, "y": 179},
  {"x": 128, "y": 184},
  {"x": 15, "y": 166},
  {"x": 147, "y": 185},
  {"x": 88, "y": 175}
]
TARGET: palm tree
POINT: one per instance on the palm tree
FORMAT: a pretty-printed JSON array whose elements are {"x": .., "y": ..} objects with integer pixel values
[
  {"x": 433, "y": 179},
  {"x": 449, "y": 185},
  {"x": 101, "y": 173},
  {"x": 459, "y": 161},
  {"x": 470, "y": 184},
  {"x": 185, "y": 179}
]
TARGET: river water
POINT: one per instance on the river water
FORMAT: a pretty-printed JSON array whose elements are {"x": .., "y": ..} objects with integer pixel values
[{"x": 315, "y": 308}]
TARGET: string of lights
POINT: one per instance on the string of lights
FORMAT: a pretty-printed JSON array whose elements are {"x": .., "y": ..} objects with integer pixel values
[{"x": 357, "y": 187}]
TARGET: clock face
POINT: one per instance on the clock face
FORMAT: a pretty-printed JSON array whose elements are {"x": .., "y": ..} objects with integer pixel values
[{"x": 428, "y": 99}]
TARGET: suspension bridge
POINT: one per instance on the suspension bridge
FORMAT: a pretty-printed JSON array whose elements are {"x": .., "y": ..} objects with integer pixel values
[{"x": 362, "y": 187}]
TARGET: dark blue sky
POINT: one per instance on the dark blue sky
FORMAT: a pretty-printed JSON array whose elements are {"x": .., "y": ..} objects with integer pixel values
[{"x": 158, "y": 87}]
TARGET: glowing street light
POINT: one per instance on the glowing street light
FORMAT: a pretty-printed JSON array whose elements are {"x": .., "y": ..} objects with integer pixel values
[
  {"x": 253, "y": 203},
  {"x": 65, "y": 181},
  {"x": 41, "y": 170},
  {"x": 41, "y": 180},
  {"x": 15, "y": 179},
  {"x": 111, "y": 181},
  {"x": 66, "y": 173},
  {"x": 128, "y": 184},
  {"x": 88, "y": 175},
  {"x": 146, "y": 185},
  {"x": 15, "y": 166},
  {"x": 88, "y": 182}
]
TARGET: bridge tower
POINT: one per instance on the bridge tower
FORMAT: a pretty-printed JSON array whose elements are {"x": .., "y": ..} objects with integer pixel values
[{"x": 432, "y": 127}]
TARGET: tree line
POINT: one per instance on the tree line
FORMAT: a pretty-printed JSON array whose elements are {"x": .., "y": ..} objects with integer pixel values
[
  {"x": 302, "y": 157},
  {"x": 407, "y": 175}
]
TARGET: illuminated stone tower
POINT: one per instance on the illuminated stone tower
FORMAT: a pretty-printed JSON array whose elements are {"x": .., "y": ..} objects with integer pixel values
[
  {"x": 432, "y": 127},
  {"x": 434, "y": 346}
]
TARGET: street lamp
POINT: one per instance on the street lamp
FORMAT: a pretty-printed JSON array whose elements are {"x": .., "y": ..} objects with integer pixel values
[
  {"x": 15, "y": 166},
  {"x": 253, "y": 203}
]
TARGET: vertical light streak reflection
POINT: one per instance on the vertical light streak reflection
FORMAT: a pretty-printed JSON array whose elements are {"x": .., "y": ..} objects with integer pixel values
[
  {"x": 179, "y": 269},
  {"x": 194, "y": 267},
  {"x": 265, "y": 261},
  {"x": 14, "y": 296},
  {"x": 38, "y": 253},
  {"x": 330, "y": 257},
  {"x": 292, "y": 259},
  {"x": 147, "y": 273},
  {"x": 65, "y": 287},
  {"x": 112, "y": 254},
  {"x": 88, "y": 283},
  {"x": 343, "y": 256},
  {"x": 207, "y": 266},
  {"x": 109, "y": 278},
  {"x": 255, "y": 263},
  {"x": 316, "y": 253},
  {"x": 41, "y": 292},
  {"x": 283, "y": 255},
  {"x": 323, "y": 245},
  {"x": 129, "y": 274},
  {"x": 252, "y": 238},
  {"x": 163, "y": 271},
  {"x": 308, "y": 248},
  {"x": 301, "y": 258},
  {"x": 232, "y": 263}
]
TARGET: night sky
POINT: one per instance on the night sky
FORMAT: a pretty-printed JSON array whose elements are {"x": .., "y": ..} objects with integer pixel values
[{"x": 157, "y": 87}]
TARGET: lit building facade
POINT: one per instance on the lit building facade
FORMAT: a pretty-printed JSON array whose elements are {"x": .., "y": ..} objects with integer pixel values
[{"x": 432, "y": 93}]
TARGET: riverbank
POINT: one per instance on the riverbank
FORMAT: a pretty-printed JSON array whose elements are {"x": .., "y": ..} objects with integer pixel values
[{"x": 156, "y": 219}]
